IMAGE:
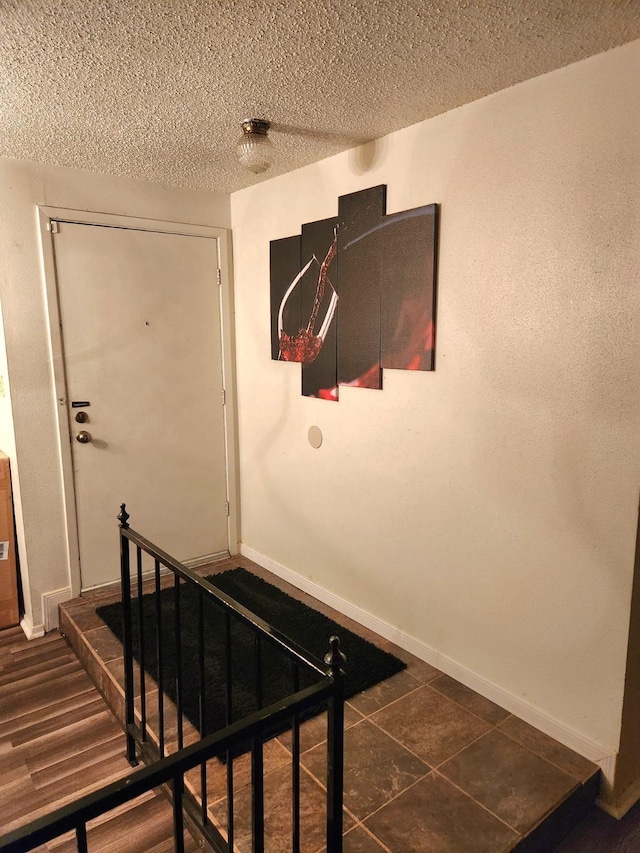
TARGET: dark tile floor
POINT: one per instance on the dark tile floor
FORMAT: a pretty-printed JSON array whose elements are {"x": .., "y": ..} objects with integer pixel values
[{"x": 430, "y": 765}]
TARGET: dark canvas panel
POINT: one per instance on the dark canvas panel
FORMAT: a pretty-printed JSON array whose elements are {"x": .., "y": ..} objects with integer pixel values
[
  {"x": 359, "y": 216},
  {"x": 319, "y": 376},
  {"x": 284, "y": 265},
  {"x": 408, "y": 288},
  {"x": 357, "y": 299}
]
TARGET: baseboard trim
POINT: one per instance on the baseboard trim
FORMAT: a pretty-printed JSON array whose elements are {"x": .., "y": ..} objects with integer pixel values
[
  {"x": 618, "y": 807},
  {"x": 196, "y": 562},
  {"x": 50, "y": 602},
  {"x": 601, "y": 754},
  {"x": 31, "y": 631}
]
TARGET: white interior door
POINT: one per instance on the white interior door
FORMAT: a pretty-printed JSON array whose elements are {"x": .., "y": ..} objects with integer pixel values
[{"x": 140, "y": 317}]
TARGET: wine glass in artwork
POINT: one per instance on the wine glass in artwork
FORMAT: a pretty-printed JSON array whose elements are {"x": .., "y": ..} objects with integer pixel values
[{"x": 305, "y": 345}]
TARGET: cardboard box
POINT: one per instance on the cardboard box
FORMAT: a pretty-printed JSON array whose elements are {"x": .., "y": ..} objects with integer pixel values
[{"x": 8, "y": 571}]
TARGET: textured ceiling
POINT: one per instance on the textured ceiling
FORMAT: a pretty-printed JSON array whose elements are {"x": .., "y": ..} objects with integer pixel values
[{"x": 156, "y": 90}]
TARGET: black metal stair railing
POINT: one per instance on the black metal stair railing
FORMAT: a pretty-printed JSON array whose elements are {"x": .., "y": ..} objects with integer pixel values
[
  {"x": 151, "y": 745},
  {"x": 170, "y": 770},
  {"x": 328, "y": 671}
]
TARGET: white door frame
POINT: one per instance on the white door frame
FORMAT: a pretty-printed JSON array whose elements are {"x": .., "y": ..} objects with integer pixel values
[{"x": 48, "y": 215}]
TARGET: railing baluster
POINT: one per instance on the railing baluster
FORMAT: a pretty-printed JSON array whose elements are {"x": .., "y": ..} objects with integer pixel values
[
  {"x": 178, "y": 641},
  {"x": 81, "y": 838},
  {"x": 230, "y": 809},
  {"x": 335, "y": 747},
  {"x": 228, "y": 665},
  {"x": 159, "y": 659},
  {"x": 143, "y": 689},
  {"x": 295, "y": 776},
  {"x": 228, "y": 658},
  {"x": 257, "y": 794},
  {"x": 258, "y": 648},
  {"x": 125, "y": 578},
  {"x": 202, "y": 704},
  {"x": 178, "y": 819}
]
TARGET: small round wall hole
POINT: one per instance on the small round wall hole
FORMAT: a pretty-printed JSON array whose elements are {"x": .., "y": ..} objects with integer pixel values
[{"x": 315, "y": 437}]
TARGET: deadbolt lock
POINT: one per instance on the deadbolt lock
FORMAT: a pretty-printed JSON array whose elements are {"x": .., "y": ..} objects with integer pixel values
[
  {"x": 82, "y": 417},
  {"x": 83, "y": 436}
]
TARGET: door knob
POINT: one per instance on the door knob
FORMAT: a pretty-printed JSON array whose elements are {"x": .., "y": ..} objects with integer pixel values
[{"x": 83, "y": 436}]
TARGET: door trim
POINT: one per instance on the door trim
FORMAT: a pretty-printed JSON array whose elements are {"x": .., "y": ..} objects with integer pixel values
[{"x": 47, "y": 215}]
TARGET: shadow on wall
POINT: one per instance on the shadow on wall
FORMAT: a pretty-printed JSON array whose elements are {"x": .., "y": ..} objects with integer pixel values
[{"x": 366, "y": 157}]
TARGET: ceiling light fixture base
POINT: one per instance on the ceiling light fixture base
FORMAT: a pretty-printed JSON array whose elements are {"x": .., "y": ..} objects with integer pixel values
[
  {"x": 256, "y": 125},
  {"x": 255, "y": 149}
]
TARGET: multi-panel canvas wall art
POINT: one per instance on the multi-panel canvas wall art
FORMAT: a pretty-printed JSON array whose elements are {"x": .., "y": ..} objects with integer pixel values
[{"x": 355, "y": 293}]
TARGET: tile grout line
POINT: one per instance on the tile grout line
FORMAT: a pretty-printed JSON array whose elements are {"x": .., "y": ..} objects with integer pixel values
[
  {"x": 352, "y": 814},
  {"x": 493, "y": 727},
  {"x": 482, "y": 806},
  {"x": 438, "y": 767},
  {"x": 435, "y": 769},
  {"x": 548, "y": 760},
  {"x": 389, "y": 704},
  {"x": 431, "y": 768},
  {"x": 372, "y": 835},
  {"x": 394, "y": 738},
  {"x": 468, "y": 710},
  {"x": 466, "y": 746},
  {"x": 395, "y": 796},
  {"x": 367, "y": 831},
  {"x": 442, "y": 695}
]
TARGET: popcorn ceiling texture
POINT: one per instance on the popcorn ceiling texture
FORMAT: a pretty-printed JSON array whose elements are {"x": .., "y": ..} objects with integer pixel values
[{"x": 156, "y": 91}]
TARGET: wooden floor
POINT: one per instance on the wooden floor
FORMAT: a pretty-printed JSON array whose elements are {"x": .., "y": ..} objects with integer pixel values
[
  {"x": 59, "y": 741},
  {"x": 601, "y": 833}
]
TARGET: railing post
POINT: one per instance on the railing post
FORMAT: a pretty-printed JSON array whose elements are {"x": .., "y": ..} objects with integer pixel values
[
  {"x": 125, "y": 577},
  {"x": 335, "y": 660}
]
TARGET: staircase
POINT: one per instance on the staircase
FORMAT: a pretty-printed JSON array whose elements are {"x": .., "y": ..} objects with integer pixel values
[{"x": 59, "y": 741}]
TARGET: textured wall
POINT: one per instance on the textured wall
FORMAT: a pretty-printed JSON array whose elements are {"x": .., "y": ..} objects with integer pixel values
[
  {"x": 487, "y": 509},
  {"x": 35, "y": 455}
]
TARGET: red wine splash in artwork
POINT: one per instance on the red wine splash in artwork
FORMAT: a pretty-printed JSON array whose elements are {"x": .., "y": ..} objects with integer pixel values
[{"x": 305, "y": 345}]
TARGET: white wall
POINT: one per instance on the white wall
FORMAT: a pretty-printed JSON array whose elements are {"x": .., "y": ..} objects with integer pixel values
[
  {"x": 7, "y": 438},
  {"x": 487, "y": 509},
  {"x": 34, "y": 455}
]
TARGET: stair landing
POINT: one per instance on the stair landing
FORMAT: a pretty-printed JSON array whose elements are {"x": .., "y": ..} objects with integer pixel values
[{"x": 430, "y": 765}]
